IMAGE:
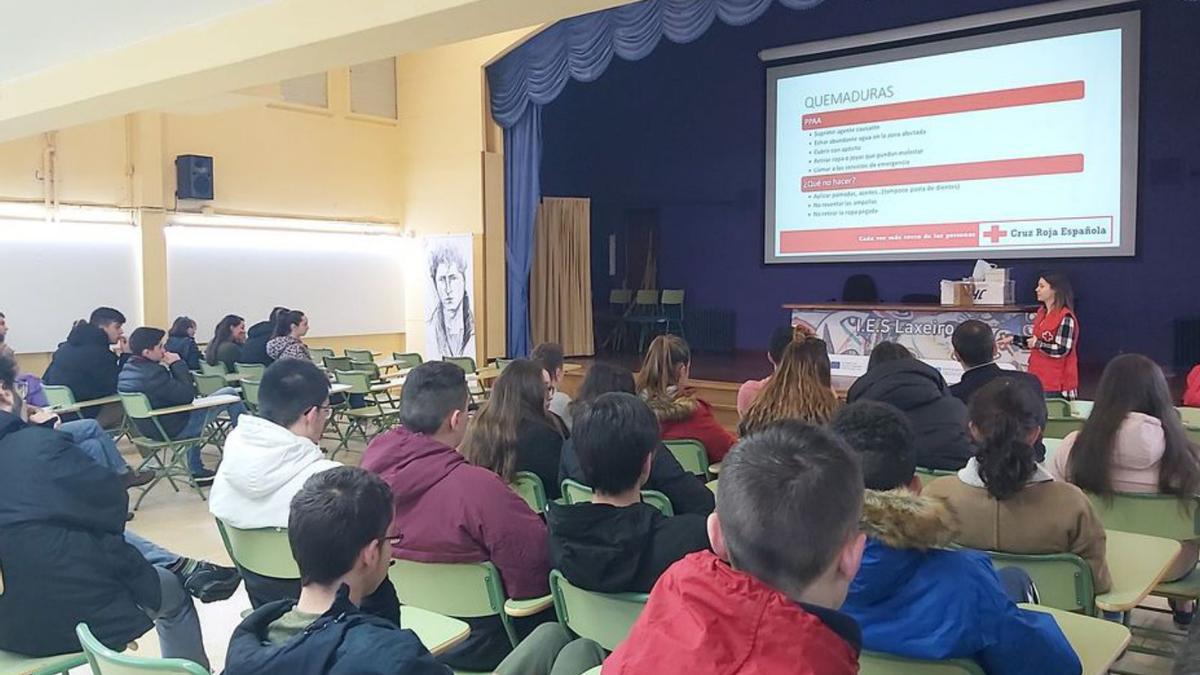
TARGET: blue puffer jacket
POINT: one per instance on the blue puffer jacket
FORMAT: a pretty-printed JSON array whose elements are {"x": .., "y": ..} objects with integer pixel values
[{"x": 915, "y": 599}]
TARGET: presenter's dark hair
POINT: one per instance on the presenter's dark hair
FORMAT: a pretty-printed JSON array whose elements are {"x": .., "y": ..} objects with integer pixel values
[
  {"x": 887, "y": 351},
  {"x": 223, "y": 334},
  {"x": 181, "y": 326},
  {"x": 289, "y": 389},
  {"x": 883, "y": 437},
  {"x": 146, "y": 337},
  {"x": 432, "y": 391},
  {"x": 1064, "y": 294},
  {"x": 974, "y": 342},
  {"x": 333, "y": 518},
  {"x": 614, "y": 434},
  {"x": 790, "y": 482},
  {"x": 1132, "y": 383},
  {"x": 1003, "y": 415},
  {"x": 103, "y": 316},
  {"x": 287, "y": 319}
]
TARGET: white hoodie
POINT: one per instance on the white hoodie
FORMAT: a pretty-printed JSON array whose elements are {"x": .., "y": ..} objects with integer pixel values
[{"x": 263, "y": 467}]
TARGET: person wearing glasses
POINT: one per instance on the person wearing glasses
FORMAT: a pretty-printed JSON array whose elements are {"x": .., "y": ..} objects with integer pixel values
[{"x": 268, "y": 457}]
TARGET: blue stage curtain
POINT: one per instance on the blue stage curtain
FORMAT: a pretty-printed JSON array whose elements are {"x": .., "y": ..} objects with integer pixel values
[{"x": 535, "y": 73}]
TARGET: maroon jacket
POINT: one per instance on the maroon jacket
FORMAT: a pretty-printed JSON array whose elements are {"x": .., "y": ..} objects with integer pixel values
[{"x": 447, "y": 510}]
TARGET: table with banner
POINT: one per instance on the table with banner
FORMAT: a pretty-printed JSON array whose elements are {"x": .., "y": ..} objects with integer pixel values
[{"x": 852, "y": 330}]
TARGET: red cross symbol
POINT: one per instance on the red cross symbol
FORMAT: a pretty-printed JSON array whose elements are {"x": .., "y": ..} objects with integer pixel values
[{"x": 995, "y": 233}]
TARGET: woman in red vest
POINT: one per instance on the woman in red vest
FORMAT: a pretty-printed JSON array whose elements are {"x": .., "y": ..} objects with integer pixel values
[{"x": 1053, "y": 356}]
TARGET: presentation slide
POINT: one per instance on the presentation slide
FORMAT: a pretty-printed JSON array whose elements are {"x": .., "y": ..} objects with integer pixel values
[{"x": 1009, "y": 150}]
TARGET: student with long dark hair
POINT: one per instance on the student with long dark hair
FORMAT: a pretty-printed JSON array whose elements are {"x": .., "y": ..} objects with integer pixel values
[
  {"x": 1004, "y": 500},
  {"x": 686, "y": 492},
  {"x": 514, "y": 431},
  {"x": 290, "y": 327},
  {"x": 226, "y": 345},
  {"x": 801, "y": 388},
  {"x": 663, "y": 383},
  {"x": 181, "y": 339}
]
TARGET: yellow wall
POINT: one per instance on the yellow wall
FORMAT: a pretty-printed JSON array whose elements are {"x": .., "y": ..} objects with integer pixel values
[{"x": 425, "y": 171}]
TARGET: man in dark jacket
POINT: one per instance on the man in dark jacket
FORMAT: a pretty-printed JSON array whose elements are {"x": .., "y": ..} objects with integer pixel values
[
  {"x": 255, "y": 349},
  {"x": 617, "y": 543},
  {"x": 338, "y": 528},
  {"x": 87, "y": 365},
  {"x": 144, "y": 373},
  {"x": 939, "y": 420},
  {"x": 975, "y": 348},
  {"x": 63, "y": 552}
]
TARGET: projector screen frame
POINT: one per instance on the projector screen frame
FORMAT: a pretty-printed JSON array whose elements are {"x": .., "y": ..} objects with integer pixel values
[{"x": 1127, "y": 20}]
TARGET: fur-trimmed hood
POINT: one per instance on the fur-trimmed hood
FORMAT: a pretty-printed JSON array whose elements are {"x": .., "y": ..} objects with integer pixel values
[
  {"x": 902, "y": 519},
  {"x": 678, "y": 406}
]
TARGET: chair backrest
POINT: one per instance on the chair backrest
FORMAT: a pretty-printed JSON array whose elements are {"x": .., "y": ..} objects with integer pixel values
[
  {"x": 691, "y": 455},
  {"x": 210, "y": 369},
  {"x": 1060, "y": 427},
  {"x": 460, "y": 590},
  {"x": 1051, "y": 445},
  {"x": 367, "y": 367},
  {"x": 105, "y": 661},
  {"x": 1058, "y": 407},
  {"x": 407, "y": 359},
  {"x": 1063, "y": 580},
  {"x": 530, "y": 488},
  {"x": 250, "y": 392},
  {"x": 1190, "y": 416},
  {"x": 604, "y": 618},
  {"x": 646, "y": 297},
  {"x": 319, "y": 354},
  {"x": 619, "y": 297},
  {"x": 877, "y": 663},
  {"x": 501, "y": 364},
  {"x": 1150, "y": 514},
  {"x": 58, "y": 396},
  {"x": 574, "y": 492},
  {"x": 360, "y": 382},
  {"x": 264, "y": 551},
  {"x": 136, "y": 405},
  {"x": 206, "y": 384},
  {"x": 1082, "y": 408},
  {"x": 467, "y": 363},
  {"x": 672, "y": 296},
  {"x": 253, "y": 371},
  {"x": 361, "y": 355},
  {"x": 333, "y": 363}
]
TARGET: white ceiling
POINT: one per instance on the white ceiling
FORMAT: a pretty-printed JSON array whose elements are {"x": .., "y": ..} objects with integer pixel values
[{"x": 40, "y": 34}]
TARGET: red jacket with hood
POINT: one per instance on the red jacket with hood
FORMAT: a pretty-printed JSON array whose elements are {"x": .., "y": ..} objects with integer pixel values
[
  {"x": 705, "y": 618},
  {"x": 447, "y": 510}
]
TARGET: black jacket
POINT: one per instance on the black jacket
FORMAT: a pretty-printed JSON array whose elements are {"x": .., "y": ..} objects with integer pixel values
[
  {"x": 85, "y": 364},
  {"x": 611, "y": 549},
  {"x": 165, "y": 387},
  {"x": 62, "y": 549},
  {"x": 974, "y": 379},
  {"x": 539, "y": 451},
  {"x": 255, "y": 349},
  {"x": 187, "y": 349},
  {"x": 684, "y": 489},
  {"x": 939, "y": 420},
  {"x": 344, "y": 641}
]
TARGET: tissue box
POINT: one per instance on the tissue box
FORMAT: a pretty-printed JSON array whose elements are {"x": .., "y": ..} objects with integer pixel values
[
  {"x": 994, "y": 292},
  {"x": 958, "y": 293}
]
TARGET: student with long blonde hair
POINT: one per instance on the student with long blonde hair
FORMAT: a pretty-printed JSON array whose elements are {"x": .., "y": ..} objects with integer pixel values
[
  {"x": 801, "y": 388},
  {"x": 663, "y": 384}
]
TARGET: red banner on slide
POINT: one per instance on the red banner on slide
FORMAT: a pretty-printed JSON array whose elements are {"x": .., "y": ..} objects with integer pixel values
[
  {"x": 946, "y": 105},
  {"x": 944, "y": 173},
  {"x": 942, "y": 235}
]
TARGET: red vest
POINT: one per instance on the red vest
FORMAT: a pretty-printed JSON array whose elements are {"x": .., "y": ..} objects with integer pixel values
[{"x": 1056, "y": 374}]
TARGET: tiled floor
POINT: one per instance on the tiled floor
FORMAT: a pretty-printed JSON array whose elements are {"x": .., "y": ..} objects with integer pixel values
[{"x": 181, "y": 522}]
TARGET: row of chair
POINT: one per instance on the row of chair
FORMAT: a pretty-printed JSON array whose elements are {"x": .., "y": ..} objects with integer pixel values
[{"x": 1064, "y": 417}]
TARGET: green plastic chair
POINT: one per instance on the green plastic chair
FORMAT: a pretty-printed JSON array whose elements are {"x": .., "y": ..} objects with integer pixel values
[
  {"x": 691, "y": 455},
  {"x": 529, "y": 487},
  {"x": 1063, "y": 580},
  {"x": 877, "y": 663},
  {"x": 672, "y": 311},
  {"x": 319, "y": 354},
  {"x": 382, "y": 414},
  {"x": 16, "y": 664},
  {"x": 264, "y": 551},
  {"x": 207, "y": 385},
  {"x": 465, "y": 362},
  {"x": 604, "y": 618},
  {"x": 334, "y": 363},
  {"x": 365, "y": 355},
  {"x": 368, "y": 367},
  {"x": 407, "y": 359},
  {"x": 574, "y": 492},
  {"x": 167, "y": 459},
  {"x": 254, "y": 371},
  {"x": 105, "y": 661},
  {"x": 928, "y": 475},
  {"x": 501, "y": 364},
  {"x": 1190, "y": 416},
  {"x": 218, "y": 369},
  {"x": 459, "y": 590},
  {"x": 1058, "y": 407},
  {"x": 1155, "y": 515},
  {"x": 1082, "y": 409},
  {"x": 250, "y": 393},
  {"x": 1060, "y": 427},
  {"x": 58, "y": 396}
]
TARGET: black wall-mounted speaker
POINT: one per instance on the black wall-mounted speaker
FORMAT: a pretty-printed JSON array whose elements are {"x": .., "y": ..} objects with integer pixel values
[{"x": 193, "y": 177}]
